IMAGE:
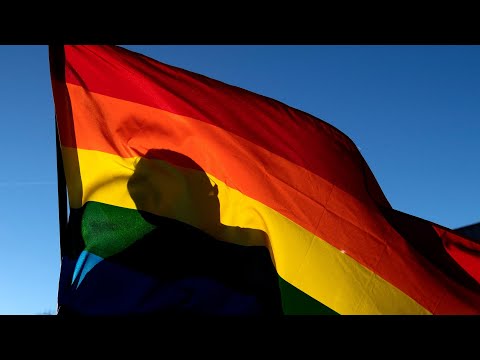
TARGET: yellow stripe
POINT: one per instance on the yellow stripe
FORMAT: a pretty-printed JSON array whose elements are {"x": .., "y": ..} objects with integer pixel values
[{"x": 301, "y": 258}]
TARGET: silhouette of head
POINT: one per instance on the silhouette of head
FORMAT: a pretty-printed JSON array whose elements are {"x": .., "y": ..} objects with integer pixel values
[{"x": 167, "y": 183}]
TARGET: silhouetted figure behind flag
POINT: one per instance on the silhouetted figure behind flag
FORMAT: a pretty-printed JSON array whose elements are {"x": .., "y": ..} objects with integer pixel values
[{"x": 178, "y": 267}]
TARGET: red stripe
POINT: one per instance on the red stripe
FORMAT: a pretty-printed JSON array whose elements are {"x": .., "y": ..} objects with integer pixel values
[{"x": 292, "y": 134}]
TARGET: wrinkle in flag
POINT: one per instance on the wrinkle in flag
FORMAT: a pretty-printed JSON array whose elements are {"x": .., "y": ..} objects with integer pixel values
[{"x": 188, "y": 194}]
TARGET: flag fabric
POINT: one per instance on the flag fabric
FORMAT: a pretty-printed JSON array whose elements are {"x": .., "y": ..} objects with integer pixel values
[{"x": 187, "y": 194}]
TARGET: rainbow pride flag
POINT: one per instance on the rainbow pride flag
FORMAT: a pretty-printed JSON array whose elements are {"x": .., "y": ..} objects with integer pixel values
[{"x": 189, "y": 195}]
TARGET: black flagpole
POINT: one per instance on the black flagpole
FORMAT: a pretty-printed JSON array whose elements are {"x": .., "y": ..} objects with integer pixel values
[
  {"x": 56, "y": 59},
  {"x": 62, "y": 193}
]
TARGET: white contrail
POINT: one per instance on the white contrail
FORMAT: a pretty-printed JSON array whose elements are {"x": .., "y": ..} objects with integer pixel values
[{"x": 21, "y": 183}]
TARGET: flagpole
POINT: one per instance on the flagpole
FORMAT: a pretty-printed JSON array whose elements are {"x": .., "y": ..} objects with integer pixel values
[
  {"x": 62, "y": 193},
  {"x": 56, "y": 58}
]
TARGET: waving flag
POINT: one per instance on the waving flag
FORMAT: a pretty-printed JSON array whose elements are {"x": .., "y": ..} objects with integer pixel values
[{"x": 187, "y": 194}]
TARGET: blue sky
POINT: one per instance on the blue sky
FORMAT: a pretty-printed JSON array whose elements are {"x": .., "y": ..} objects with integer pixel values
[{"x": 414, "y": 112}]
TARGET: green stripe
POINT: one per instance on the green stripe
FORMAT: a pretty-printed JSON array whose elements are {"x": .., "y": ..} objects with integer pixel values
[
  {"x": 107, "y": 230},
  {"x": 296, "y": 302}
]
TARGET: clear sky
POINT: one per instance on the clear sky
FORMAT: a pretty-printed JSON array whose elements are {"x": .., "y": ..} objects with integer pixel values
[{"x": 414, "y": 112}]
